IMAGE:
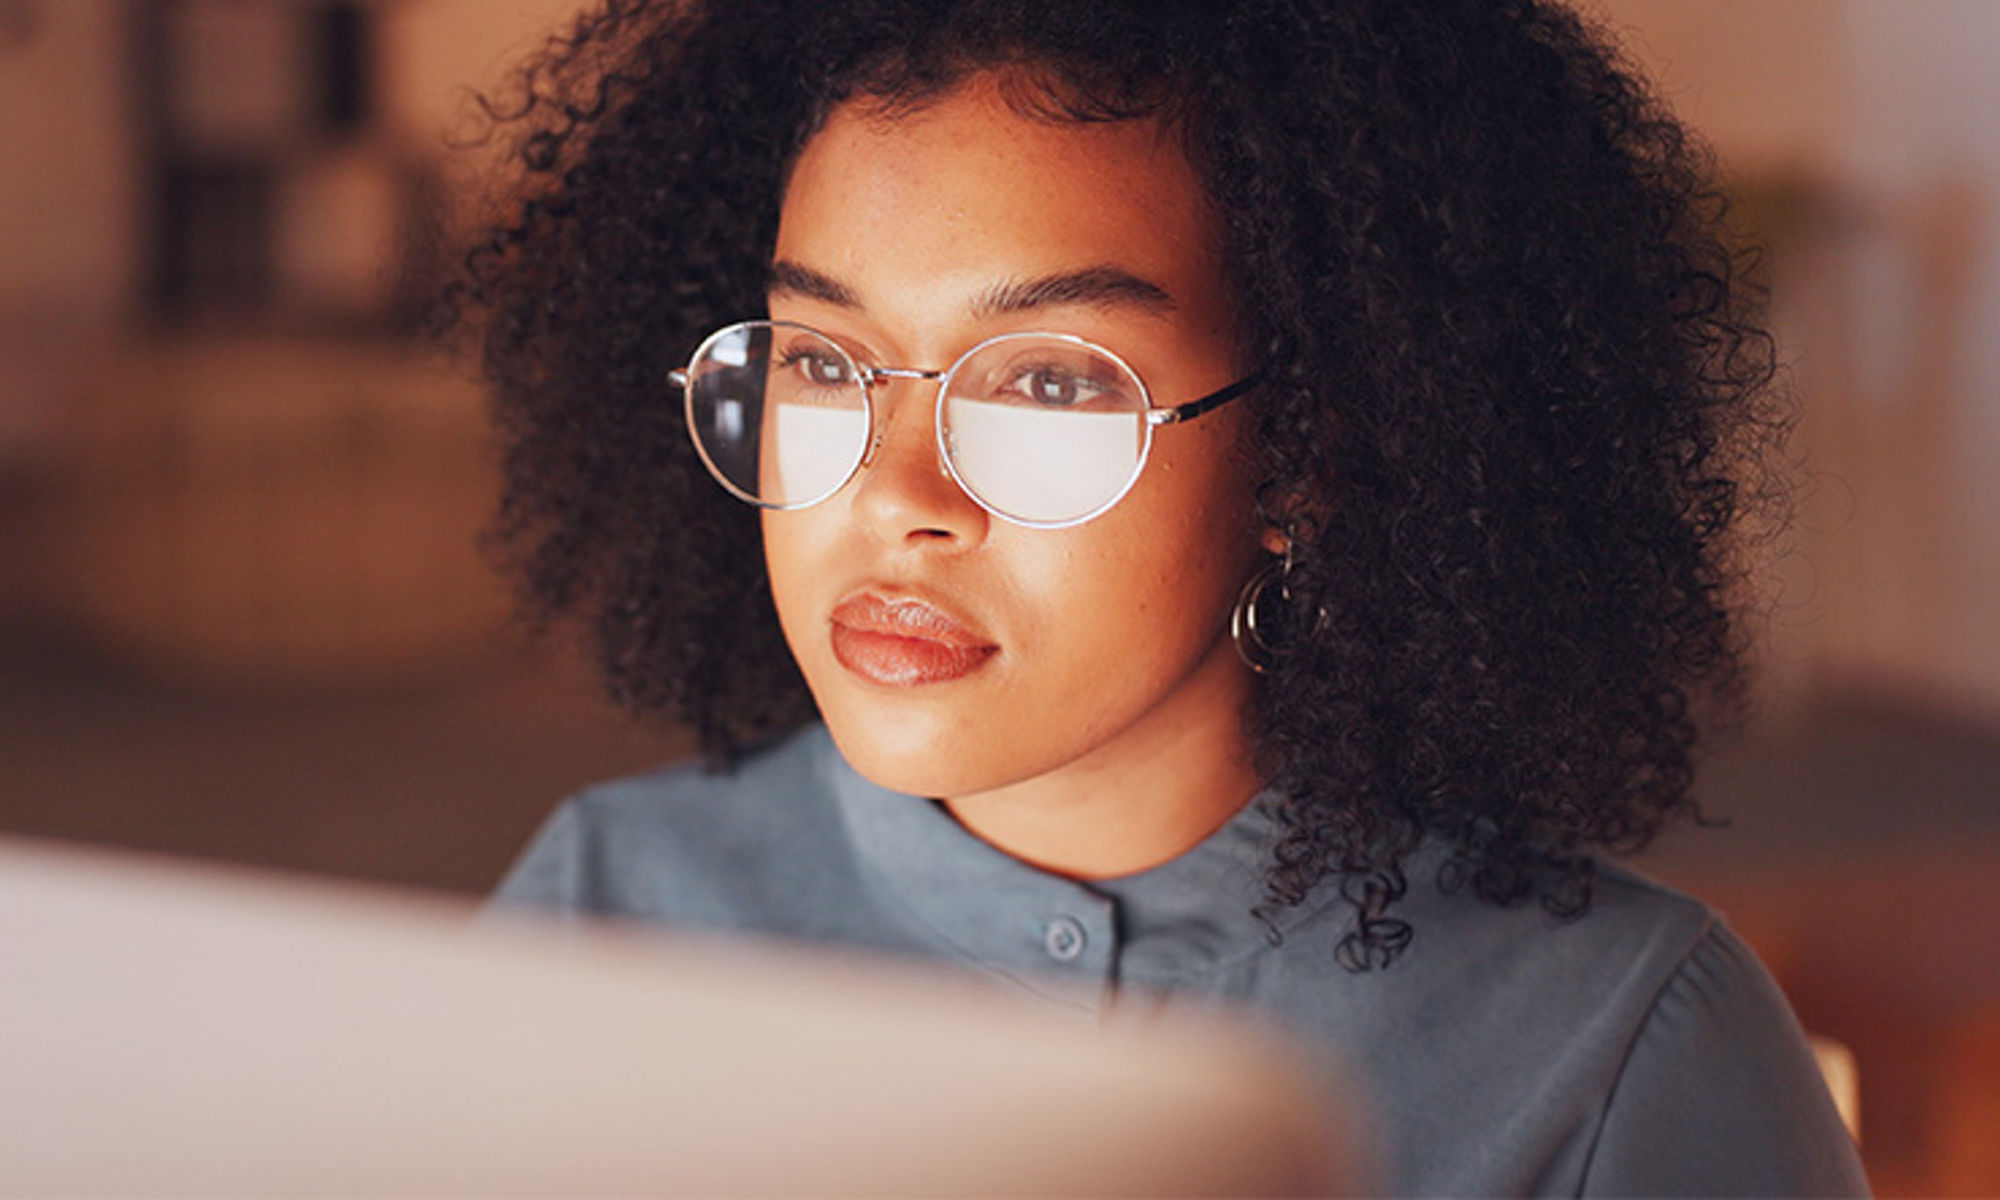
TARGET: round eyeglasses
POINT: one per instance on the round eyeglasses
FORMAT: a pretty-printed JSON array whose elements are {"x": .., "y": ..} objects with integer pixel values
[{"x": 1041, "y": 429}]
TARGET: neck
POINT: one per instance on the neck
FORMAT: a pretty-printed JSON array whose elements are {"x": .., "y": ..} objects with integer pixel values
[{"x": 1143, "y": 798}]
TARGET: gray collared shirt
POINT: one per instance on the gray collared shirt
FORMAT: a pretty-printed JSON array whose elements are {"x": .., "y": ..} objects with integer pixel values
[{"x": 1639, "y": 1050}]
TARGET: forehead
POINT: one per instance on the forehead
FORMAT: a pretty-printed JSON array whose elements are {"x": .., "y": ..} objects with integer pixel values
[{"x": 966, "y": 189}]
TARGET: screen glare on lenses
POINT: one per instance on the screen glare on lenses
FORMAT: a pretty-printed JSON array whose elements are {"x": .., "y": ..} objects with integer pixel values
[
  {"x": 778, "y": 412},
  {"x": 1044, "y": 430}
]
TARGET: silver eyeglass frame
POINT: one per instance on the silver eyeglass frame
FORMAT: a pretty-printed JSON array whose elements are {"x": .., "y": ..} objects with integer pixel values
[{"x": 867, "y": 375}]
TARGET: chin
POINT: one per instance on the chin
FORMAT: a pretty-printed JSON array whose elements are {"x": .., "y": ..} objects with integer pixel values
[
  {"x": 902, "y": 761},
  {"x": 918, "y": 757}
]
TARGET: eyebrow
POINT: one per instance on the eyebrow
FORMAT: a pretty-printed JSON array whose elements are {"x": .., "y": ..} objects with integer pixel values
[
  {"x": 1100, "y": 287},
  {"x": 790, "y": 277}
]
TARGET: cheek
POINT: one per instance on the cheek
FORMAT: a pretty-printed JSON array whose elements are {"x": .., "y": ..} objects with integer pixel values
[
  {"x": 1149, "y": 584},
  {"x": 1203, "y": 512},
  {"x": 789, "y": 540}
]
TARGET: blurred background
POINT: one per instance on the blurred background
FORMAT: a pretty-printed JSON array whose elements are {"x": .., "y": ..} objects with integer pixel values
[{"x": 242, "y": 616}]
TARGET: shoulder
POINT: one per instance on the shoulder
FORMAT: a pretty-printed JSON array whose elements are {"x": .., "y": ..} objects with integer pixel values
[
  {"x": 1640, "y": 1048},
  {"x": 1613, "y": 959},
  {"x": 679, "y": 844},
  {"x": 1717, "y": 1091}
]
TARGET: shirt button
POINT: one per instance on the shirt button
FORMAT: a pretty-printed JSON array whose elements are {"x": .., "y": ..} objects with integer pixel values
[{"x": 1063, "y": 938}]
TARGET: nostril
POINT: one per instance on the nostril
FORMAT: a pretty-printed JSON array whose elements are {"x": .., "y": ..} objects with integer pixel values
[{"x": 909, "y": 497}]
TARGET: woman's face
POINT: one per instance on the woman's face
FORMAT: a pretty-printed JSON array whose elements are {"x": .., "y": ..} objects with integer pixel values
[{"x": 954, "y": 654}]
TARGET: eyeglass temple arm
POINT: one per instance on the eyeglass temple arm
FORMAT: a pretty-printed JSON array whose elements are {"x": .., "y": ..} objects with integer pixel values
[{"x": 1194, "y": 408}]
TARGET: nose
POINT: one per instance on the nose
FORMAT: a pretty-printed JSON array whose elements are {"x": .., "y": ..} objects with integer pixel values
[{"x": 904, "y": 493}]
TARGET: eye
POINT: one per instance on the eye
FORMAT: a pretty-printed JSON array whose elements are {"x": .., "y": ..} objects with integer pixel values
[
  {"x": 818, "y": 368},
  {"x": 1054, "y": 387}
]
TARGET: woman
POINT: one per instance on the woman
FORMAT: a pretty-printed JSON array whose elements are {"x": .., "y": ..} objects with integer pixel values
[{"x": 1238, "y": 500}]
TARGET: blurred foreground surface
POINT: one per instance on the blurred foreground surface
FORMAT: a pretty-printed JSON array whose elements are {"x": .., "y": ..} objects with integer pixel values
[{"x": 319, "y": 1041}]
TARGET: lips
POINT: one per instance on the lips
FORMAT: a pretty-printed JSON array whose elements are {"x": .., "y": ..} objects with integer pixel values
[{"x": 904, "y": 642}]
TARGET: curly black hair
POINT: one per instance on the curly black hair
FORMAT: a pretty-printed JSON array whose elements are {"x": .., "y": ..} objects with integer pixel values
[{"x": 1513, "y": 408}]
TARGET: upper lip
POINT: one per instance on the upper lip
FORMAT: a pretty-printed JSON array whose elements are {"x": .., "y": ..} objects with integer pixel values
[{"x": 905, "y": 615}]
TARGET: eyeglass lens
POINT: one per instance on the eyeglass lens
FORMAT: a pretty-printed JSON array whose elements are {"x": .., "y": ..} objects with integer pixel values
[{"x": 1039, "y": 428}]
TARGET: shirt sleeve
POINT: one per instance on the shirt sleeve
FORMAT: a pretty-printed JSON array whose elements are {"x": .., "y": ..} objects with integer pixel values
[{"x": 1720, "y": 1095}]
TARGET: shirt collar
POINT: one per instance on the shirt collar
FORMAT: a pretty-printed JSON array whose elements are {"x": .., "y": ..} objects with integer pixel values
[{"x": 1156, "y": 927}]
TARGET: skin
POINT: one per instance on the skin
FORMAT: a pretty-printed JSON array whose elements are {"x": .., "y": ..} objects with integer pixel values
[{"x": 1101, "y": 732}]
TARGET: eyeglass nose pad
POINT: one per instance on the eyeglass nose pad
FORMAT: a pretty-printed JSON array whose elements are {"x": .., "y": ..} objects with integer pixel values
[
  {"x": 869, "y": 379},
  {"x": 878, "y": 416}
]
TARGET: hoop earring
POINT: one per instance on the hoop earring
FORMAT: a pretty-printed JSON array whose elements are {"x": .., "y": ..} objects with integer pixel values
[{"x": 1263, "y": 625}]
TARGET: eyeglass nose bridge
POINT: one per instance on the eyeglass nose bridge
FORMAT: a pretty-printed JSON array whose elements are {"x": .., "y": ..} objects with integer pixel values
[{"x": 869, "y": 376}]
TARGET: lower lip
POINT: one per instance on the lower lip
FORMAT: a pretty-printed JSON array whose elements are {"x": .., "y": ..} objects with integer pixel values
[{"x": 894, "y": 661}]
